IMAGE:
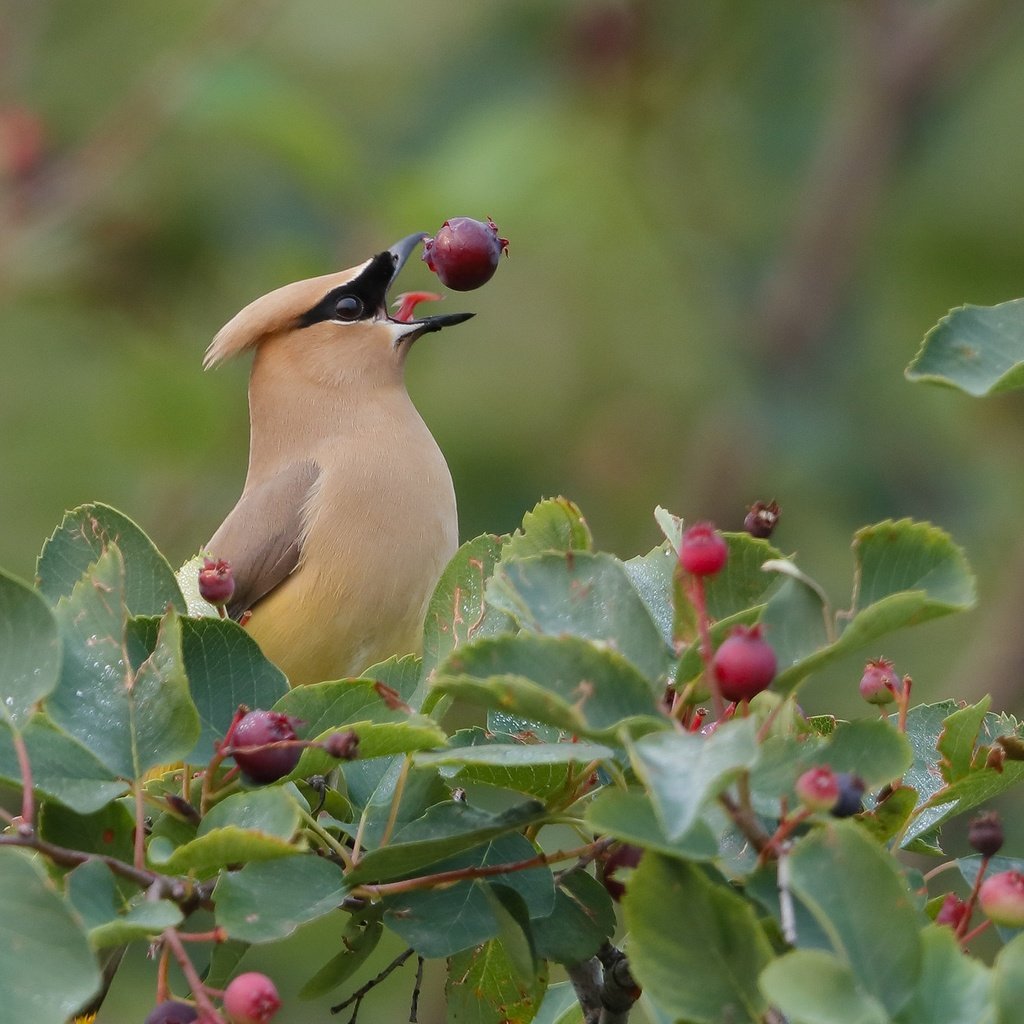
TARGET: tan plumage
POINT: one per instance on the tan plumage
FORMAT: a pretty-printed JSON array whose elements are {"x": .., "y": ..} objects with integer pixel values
[{"x": 347, "y": 516}]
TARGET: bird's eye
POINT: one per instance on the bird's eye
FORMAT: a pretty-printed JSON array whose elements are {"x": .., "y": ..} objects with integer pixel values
[{"x": 348, "y": 308}]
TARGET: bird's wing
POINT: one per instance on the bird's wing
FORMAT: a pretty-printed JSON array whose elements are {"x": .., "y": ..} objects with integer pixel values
[{"x": 262, "y": 535}]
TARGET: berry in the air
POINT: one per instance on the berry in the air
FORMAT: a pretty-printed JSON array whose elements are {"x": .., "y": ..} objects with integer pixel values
[{"x": 465, "y": 252}]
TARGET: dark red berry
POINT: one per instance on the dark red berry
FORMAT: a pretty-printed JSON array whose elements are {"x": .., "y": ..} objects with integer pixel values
[
  {"x": 172, "y": 1012},
  {"x": 879, "y": 684},
  {"x": 818, "y": 789},
  {"x": 851, "y": 793},
  {"x": 744, "y": 665},
  {"x": 251, "y": 999},
  {"x": 952, "y": 911},
  {"x": 1001, "y": 897},
  {"x": 465, "y": 252},
  {"x": 216, "y": 582},
  {"x": 761, "y": 519},
  {"x": 622, "y": 855},
  {"x": 255, "y": 731},
  {"x": 703, "y": 551},
  {"x": 342, "y": 745},
  {"x": 985, "y": 834}
]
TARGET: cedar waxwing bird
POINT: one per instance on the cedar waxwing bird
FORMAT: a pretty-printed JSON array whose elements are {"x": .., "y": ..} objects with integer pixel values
[{"x": 347, "y": 516}]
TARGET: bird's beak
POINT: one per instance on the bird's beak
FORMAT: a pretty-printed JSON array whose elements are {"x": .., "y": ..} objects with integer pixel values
[{"x": 400, "y": 252}]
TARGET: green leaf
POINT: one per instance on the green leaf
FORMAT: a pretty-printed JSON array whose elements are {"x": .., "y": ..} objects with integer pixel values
[
  {"x": 958, "y": 739},
  {"x": 559, "y": 1006},
  {"x": 372, "y": 785},
  {"x": 458, "y": 612},
  {"x": 566, "y": 682},
  {"x": 684, "y": 771},
  {"x": 358, "y": 941},
  {"x": 952, "y": 988},
  {"x": 630, "y": 816},
  {"x": 485, "y": 988},
  {"x": 797, "y": 619},
  {"x": 814, "y": 987},
  {"x": 250, "y": 826},
  {"x": 187, "y": 578},
  {"x": 62, "y": 768},
  {"x": 30, "y": 652},
  {"x": 82, "y": 538},
  {"x": 843, "y": 877},
  {"x": 695, "y": 946},
  {"x": 442, "y": 921},
  {"x": 977, "y": 349},
  {"x": 652, "y": 577},
  {"x": 42, "y": 935},
  {"x": 108, "y": 831},
  {"x": 906, "y": 573},
  {"x": 583, "y": 917},
  {"x": 554, "y": 524},
  {"x": 517, "y": 755},
  {"x": 403, "y": 674},
  {"x": 270, "y": 899},
  {"x": 445, "y": 829},
  {"x": 585, "y": 595},
  {"x": 870, "y": 748},
  {"x": 1008, "y": 982}
]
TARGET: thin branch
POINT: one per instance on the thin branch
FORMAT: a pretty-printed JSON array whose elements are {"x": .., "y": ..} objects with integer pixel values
[
  {"x": 207, "y": 1011},
  {"x": 416, "y": 989},
  {"x": 746, "y": 821},
  {"x": 360, "y": 993}
]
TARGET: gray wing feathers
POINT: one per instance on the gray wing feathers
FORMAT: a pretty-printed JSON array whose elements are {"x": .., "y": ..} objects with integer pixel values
[{"x": 262, "y": 535}]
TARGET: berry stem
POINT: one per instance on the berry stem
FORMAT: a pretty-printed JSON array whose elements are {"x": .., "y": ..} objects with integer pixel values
[
  {"x": 139, "y": 845},
  {"x": 28, "y": 805},
  {"x": 972, "y": 935},
  {"x": 699, "y": 601},
  {"x": 342, "y": 851},
  {"x": 396, "y": 799},
  {"x": 207, "y": 1011},
  {"x": 163, "y": 988},
  {"x": 972, "y": 900}
]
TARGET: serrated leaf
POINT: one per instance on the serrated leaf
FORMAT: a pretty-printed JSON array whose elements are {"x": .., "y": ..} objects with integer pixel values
[
  {"x": 582, "y": 919},
  {"x": 81, "y": 539},
  {"x": 250, "y": 826},
  {"x": 958, "y": 739},
  {"x": 683, "y": 771},
  {"x": 485, "y": 988},
  {"x": 554, "y": 524},
  {"x": 630, "y": 816},
  {"x": 458, "y": 612},
  {"x": 843, "y": 877},
  {"x": 43, "y": 932},
  {"x": 977, "y": 349},
  {"x": 445, "y": 920},
  {"x": 706, "y": 970},
  {"x": 952, "y": 988},
  {"x": 585, "y": 595},
  {"x": 444, "y": 830},
  {"x": 570, "y": 683},
  {"x": 268, "y": 900},
  {"x": 30, "y": 650},
  {"x": 907, "y": 573},
  {"x": 403, "y": 674},
  {"x": 835, "y": 997},
  {"x": 62, "y": 768},
  {"x": 225, "y": 668}
]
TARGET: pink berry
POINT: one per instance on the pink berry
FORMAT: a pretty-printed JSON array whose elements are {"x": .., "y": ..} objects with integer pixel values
[
  {"x": 251, "y": 999},
  {"x": 216, "y": 583},
  {"x": 1002, "y": 898},
  {"x": 879, "y": 684},
  {"x": 952, "y": 911},
  {"x": 255, "y": 731},
  {"x": 744, "y": 665},
  {"x": 622, "y": 855},
  {"x": 703, "y": 551},
  {"x": 172, "y": 1012},
  {"x": 818, "y": 789},
  {"x": 465, "y": 252}
]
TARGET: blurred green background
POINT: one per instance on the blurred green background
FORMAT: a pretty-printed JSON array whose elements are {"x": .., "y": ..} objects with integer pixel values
[{"x": 731, "y": 223}]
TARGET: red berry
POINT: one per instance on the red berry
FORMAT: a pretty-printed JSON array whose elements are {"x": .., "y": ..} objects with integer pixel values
[
  {"x": 1002, "y": 898},
  {"x": 622, "y": 855},
  {"x": 172, "y": 1012},
  {"x": 465, "y": 252},
  {"x": 343, "y": 745},
  {"x": 251, "y": 999},
  {"x": 703, "y": 550},
  {"x": 952, "y": 911},
  {"x": 818, "y": 789},
  {"x": 761, "y": 519},
  {"x": 744, "y": 665},
  {"x": 879, "y": 684},
  {"x": 985, "y": 834},
  {"x": 216, "y": 583},
  {"x": 851, "y": 792},
  {"x": 255, "y": 731}
]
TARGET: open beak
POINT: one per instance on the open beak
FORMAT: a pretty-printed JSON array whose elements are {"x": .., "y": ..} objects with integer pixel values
[{"x": 400, "y": 252}]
